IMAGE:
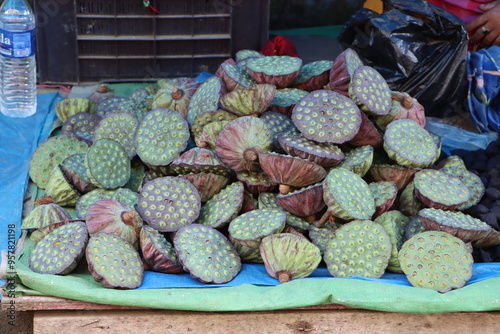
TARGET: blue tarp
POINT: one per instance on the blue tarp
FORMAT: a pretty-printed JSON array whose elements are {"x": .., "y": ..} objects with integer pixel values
[{"x": 19, "y": 137}]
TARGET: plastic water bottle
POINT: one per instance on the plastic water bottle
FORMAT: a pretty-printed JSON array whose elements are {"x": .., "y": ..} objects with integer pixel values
[{"x": 17, "y": 59}]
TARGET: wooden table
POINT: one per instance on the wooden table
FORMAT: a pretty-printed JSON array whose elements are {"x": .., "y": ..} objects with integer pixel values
[{"x": 42, "y": 315}]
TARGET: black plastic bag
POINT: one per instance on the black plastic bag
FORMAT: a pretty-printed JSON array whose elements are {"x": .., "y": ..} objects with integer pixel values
[{"x": 418, "y": 48}]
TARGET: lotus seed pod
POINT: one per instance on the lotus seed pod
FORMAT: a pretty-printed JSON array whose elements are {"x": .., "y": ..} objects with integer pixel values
[
  {"x": 440, "y": 190},
  {"x": 249, "y": 228},
  {"x": 206, "y": 254},
  {"x": 268, "y": 200},
  {"x": 168, "y": 203},
  {"x": 385, "y": 194},
  {"x": 59, "y": 251},
  {"x": 114, "y": 262},
  {"x": 122, "y": 195},
  {"x": 304, "y": 202},
  {"x": 327, "y": 117},
  {"x": 414, "y": 226},
  {"x": 288, "y": 256},
  {"x": 492, "y": 239},
  {"x": 347, "y": 195},
  {"x": 198, "y": 160},
  {"x": 400, "y": 175},
  {"x": 323, "y": 154},
  {"x": 71, "y": 106},
  {"x": 37, "y": 235},
  {"x": 358, "y": 160},
  {"x": 158, "y": 253},
  {"x": 235, "y": 76},
  {"x": 51, "y": 153},
  {"x": 403, "y": 106},
  {"x": 279, "y": 124},
  {"x": 208, "y": 117},
  {"x": 368, "y": 134},
  {"x": 160, "y": 137},
  {"x": 394, "y": 223},
  {"x": 244, "y": 54},
  {"x": 207, "y": 138},
  {"x": 101, "y": 93},
  {"x": 110, "y": 105},
  {"x": 313, "y": 76},
  {"x": 321, "y": 236},
  {"x": 249, "y": 101},
  {"x": 370, "y": 91},
  {"x": 410, "y": 145},
  {"x": 285, "y": 100},
  {"x": 207, "y": 184},
  {"x": 110, "y": 216},
  {"x": 223, "y": 206},
  {"x": 75, "y": 171},
  {"x": 458, "y": 224},
  {"x": 342, "y": 70},
  {"x": 290, "y": 171},
  {"x": 471, "y": 181},
  {"x": 247, "y": 254},
  {"x": 58, "y": 190},
  {"x": 280, "y": 71},
  {"x": 257, "y": 182},
  {"x": 451, "y": 161},
  {"x": 119, "y": 126},
  {"x": 436, "y": 260},
  {"x": 175, "y": 95},
  {"x": 359, "y": 248},
  {"x": 409, "y": 204},
  {"x": 81, "y": 125},
  {"x": 206, "y": 98},
  {"x": 240, "y": 142},
  {"x": 44, "y": 215},
  {"x": 108, "y": 164}
]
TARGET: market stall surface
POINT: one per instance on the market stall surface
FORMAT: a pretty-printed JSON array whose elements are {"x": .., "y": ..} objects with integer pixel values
[{"x": 253, "y": 290}]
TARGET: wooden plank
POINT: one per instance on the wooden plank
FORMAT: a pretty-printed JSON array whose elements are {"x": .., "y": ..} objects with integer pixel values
[
  {"x": 288, "y": 321},
  {"x": 46, "y": 303}
]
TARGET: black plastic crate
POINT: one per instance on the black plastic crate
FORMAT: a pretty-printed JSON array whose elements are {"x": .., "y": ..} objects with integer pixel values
[{"x": 82, "y": 41}]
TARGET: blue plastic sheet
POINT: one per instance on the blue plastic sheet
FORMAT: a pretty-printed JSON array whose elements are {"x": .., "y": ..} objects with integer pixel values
[
  {"x": 256, "y": 274},
  {"x": 19, "y": 137},
  {"x": 483, "y": 73}
]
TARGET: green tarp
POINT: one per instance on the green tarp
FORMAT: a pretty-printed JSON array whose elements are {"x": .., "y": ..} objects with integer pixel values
[{"x": 480, "y": 296}]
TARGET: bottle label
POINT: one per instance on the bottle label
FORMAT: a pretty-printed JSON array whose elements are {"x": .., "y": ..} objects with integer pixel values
[{"x": 17, "y": 44}]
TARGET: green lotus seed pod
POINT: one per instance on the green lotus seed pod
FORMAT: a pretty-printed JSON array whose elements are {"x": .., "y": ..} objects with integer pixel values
[
  {"x": 440, "y": 190},
  {"x": 458, "y": 224},
  {"x": 280, "y": 71},
  {"x": 288, "y": 256},
  {"x": 206, "y": 254},
  {"x": 114, "y": 262},
  {"x": 59, "y": 251},
  {"x": 394, "y": 223},
  {"x": 436, "y": 260},
  {"x": 410, "y": 145},
  {"x": 108, "y": 164},
  {"x": 347, "y": 195},
  {"x": 158, "y": 253},
  {"x": 359, "y": 248},
  {"x": 250, "y": 227},
  {"x": 327, "y": 116}
]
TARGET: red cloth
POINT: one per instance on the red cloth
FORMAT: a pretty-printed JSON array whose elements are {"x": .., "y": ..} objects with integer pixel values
[
  {"x": 279, "y": 46},
  {"x": 467, "y": 10}
]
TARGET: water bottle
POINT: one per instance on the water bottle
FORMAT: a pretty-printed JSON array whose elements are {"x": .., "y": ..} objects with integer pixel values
[{"x": 17, "y": 59}]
